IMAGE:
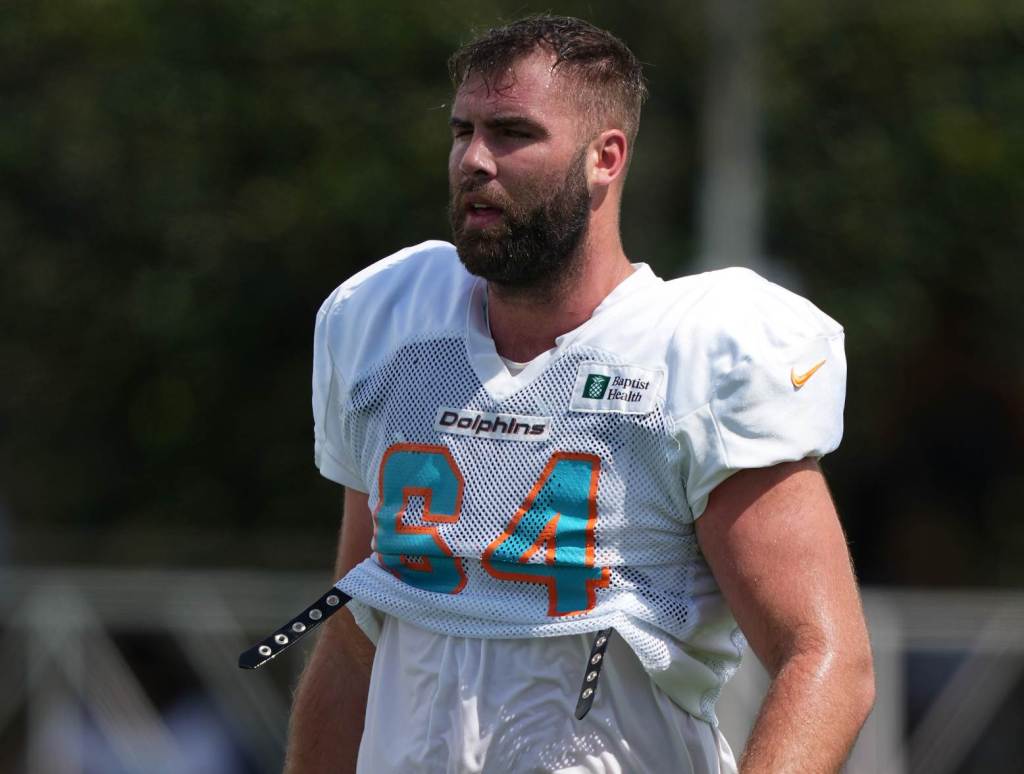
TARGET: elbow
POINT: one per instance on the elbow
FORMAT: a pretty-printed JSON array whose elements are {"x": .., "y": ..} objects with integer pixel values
[
  {"x": 852, "y": 672},
  {"x": 863, "y": 685},
  {"x": 846, "y": 674}
]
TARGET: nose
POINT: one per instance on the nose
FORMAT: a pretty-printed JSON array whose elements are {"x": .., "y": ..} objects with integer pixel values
[{"x": 477, "y": 159}]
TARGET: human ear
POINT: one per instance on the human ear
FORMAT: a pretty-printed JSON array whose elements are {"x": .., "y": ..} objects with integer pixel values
[{"x": 608, "y": 151}]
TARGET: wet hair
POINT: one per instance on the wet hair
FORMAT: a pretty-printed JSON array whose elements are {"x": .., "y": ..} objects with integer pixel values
[{"x": 608, "y": 78}]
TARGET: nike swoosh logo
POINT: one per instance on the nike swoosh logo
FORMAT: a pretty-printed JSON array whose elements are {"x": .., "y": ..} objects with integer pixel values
[{"x": 799, "y": 380}]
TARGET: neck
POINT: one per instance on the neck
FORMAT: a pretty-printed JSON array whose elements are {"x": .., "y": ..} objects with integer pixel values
[{"x": 525, "y": 324}]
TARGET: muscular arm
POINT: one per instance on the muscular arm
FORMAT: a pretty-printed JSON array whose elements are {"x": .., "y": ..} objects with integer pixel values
[
  {"x": 330, "y": 702},
  {"x": 775, "y": 546}
]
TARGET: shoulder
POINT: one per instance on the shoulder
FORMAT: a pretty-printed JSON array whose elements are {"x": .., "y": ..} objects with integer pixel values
[
  {"x": 732, "y": 318},
  {"x": 415, "y": 291},
  {"x": 735, "y": 313},
  {"x": 417, "y": 268},
  {"x": 732, "y": 298}
]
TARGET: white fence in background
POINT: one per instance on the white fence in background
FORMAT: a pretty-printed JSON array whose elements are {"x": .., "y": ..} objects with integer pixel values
[{"x": 58, "y": 655}]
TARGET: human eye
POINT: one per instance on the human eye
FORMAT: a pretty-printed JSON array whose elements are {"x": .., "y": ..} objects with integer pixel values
[{"x": 460, "y": 130}]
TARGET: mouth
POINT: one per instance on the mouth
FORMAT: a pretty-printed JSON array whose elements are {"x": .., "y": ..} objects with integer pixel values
[{"x": 481, "y": 214}]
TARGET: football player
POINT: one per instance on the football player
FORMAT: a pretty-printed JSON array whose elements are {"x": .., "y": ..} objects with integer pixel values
[{"x": 569, "y": 484}]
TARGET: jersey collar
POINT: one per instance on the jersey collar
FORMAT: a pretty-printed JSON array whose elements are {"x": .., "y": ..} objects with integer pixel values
[{"x": 488, "y": 365}]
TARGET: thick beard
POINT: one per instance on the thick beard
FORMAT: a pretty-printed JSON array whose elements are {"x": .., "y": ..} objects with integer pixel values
[{"x": 536, "y": 248}]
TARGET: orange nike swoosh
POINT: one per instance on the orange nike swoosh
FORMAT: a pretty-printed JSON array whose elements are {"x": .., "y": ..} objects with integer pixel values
[{"x": 799, "y": 380}]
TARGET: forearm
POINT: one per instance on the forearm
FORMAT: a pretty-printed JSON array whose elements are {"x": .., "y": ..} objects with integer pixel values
[
  {"x": 811, "y": 716},
  {"x": 330, "y": 702}
]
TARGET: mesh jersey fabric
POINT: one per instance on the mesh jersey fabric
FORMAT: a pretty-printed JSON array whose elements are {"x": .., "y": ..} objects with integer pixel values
[{"x": 710, "y": 363}]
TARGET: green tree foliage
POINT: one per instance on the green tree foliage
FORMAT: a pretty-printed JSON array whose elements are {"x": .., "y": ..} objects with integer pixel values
[
  {"x": 181, "y": 183},
  {"x": 896, "y": 147}
]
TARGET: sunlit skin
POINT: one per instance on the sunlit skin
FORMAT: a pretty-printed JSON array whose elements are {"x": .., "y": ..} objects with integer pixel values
[{"x": 511, "y": 141}]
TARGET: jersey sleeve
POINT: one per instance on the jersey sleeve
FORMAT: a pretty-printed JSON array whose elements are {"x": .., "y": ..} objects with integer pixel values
[
  {"x": 361, "y": 323},
  {"x": 332, "y": 457},
  {"x": 776, "y": 386}
]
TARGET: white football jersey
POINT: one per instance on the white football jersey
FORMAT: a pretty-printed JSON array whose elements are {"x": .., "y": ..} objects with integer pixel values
[
  {"x": 561, "y": 500},
  {"x": 465, "y": 705}
]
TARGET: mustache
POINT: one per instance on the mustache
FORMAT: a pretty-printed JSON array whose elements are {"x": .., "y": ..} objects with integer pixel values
[
  {"x": 469, "y": 185},
  {"x": 496, "y": 198}
]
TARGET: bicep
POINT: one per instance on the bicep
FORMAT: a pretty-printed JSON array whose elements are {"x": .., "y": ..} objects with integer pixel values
[
  {"x": 775, "y": 546},
  {"x": 356, "y": 536}
]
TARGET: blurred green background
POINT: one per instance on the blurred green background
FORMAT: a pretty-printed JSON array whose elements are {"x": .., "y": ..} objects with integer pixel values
[{"x": 182, "y": 183}]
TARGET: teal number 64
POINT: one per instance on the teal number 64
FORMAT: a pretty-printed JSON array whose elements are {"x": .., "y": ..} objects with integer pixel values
[{"x": 555, "y": 523}]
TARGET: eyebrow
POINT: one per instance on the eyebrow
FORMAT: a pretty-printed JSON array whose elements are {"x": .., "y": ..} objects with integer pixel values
[{"x": 502, "y": 122}]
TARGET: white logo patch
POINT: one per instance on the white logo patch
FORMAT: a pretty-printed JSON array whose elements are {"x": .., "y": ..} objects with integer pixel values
[
  {"x": 619, "y": 388},
  {"x": 481, "y": 424}
]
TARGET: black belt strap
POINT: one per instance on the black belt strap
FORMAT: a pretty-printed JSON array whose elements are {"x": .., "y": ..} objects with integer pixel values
[
  {"x": 594, "y": 663},
  {"x": 297, "y": 628},
  {"x": 333, "y": 600}
]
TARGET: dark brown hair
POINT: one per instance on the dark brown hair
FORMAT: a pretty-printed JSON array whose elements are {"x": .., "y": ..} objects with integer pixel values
[{"x": 609, "y": 79}]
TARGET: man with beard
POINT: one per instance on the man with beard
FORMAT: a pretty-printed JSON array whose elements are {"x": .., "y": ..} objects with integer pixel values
[{"x": 567, "y": 480}]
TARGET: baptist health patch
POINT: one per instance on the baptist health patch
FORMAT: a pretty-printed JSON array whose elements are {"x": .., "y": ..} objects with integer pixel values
[{"x": 619, "y": 388}]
